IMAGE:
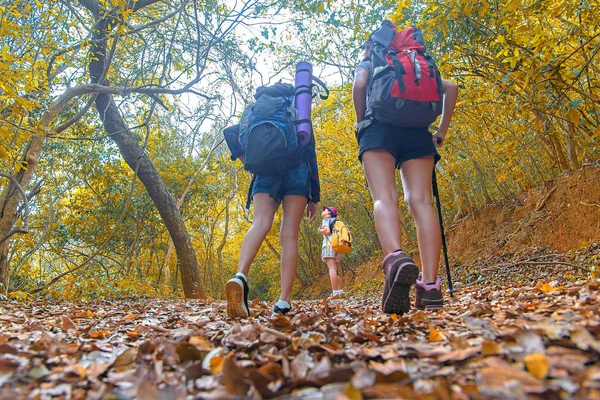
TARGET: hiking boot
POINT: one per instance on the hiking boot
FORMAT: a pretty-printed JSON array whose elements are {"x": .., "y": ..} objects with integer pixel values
[
  {"x": 400, "y": 273},
  {"x": 429, "y": 296},
  {"x": 236, "y": 291},
  {"x": 336, "y": 296}
]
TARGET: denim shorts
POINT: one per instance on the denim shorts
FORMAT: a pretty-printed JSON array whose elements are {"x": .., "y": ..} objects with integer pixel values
[
  {"x": 403, "y": 143},
  {"x": 295, "y": 183}
]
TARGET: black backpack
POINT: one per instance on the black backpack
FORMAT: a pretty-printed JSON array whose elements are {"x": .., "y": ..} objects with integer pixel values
[{"x": 267, "y": 133}]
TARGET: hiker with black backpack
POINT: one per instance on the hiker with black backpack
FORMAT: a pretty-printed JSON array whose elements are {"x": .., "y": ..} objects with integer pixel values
[
  {"x": 397, "y": 94},
  {"x": 284, "y": 172}
]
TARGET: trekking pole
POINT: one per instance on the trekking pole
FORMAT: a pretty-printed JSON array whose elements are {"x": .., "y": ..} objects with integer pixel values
[{"x": 436, "y": 194}]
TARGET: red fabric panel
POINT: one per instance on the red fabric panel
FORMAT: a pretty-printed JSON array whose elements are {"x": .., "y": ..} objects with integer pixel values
[
  {"x": 427, "y": 88},
  {"x": 404, "y": 41}
]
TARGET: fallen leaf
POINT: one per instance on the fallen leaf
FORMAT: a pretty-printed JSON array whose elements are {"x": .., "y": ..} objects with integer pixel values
[
  {"x": 460, "y": 354},
  {"x": 216, "y": 366},
  {"x": 68, "y": 325},
  {"x": 352, "y": 393},
  {"x": 537, "y": 365},
  {"x": 503, "y": 379},
  {"x": 201, "y": 343},
  {"x": 530, "y": 342},
  {"x": 435, "y": 335},
  {"x": 584, "y": 340},
  {"x": 100, "y": 334},
  {"x": 126, "y": 358},
  {"x": 279, "y": 321},
  {"x": 363, "y": 378},
  {"x": 187, "y": 352},
  {"x": 547, "y": 288},
  {"x": 489, "y": 348},
  {"x": 299, "y": 365},
  {"x": 233, "y": 377},
  {"x": 389, "y": 391}
]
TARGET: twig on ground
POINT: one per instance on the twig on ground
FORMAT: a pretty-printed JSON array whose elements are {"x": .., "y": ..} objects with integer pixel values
[
  {"x": 545, "y": 263},
  {"x": 509, "y": 237},
  {"x": 545, "y": 199},
  {"x": 589, "y": 204}
]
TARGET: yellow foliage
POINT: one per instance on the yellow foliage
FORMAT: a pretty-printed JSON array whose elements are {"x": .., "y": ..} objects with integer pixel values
[{"x": 19, "y": 295}]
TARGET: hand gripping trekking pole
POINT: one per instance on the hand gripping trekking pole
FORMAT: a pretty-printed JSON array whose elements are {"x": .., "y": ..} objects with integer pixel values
[{"x": 436, "y": 194}]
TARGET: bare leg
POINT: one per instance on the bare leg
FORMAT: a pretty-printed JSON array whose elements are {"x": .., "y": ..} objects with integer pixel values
[
  {"x": 380, "y": 168},
  {"x": 336, "y": 282},
  {"x": 264, "y": 211},
  {"x": 293, "y": 210},
  {"x": 416, "y": 179}
]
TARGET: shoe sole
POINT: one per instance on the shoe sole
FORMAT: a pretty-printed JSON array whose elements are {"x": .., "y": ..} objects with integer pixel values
[
  {"x": 431, "y": 307},
  {"x": 398, "y": 298},
  {"x": 234, "y": 291},
  {"x": 433, "y": 304}
]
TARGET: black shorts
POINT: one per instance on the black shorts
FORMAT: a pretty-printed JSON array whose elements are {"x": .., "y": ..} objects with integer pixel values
[{"x": 403, "y": 143}]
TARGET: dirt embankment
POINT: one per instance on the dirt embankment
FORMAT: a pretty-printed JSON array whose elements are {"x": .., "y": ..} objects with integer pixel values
[{"x": 563, "y": 214}]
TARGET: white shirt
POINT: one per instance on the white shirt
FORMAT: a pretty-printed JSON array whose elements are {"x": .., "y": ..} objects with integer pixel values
[{"x": 326, "y": 238}]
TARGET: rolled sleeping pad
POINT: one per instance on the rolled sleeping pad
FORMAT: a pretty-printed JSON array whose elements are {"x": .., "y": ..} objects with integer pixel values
[{"x": 303, "y": 100}]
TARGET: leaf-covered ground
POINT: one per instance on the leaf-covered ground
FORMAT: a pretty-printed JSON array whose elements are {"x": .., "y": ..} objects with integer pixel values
[{"x": 503, "y": 340}]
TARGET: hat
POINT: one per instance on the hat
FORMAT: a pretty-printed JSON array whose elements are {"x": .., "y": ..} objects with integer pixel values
[{"x": 332, "y": 210}]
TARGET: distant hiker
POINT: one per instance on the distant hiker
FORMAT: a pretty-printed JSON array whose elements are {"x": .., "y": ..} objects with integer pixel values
[
  {"x": 284, "y": 172},
  {"x": 397, "y": 93},
  {"x": 328, "y": 255}
]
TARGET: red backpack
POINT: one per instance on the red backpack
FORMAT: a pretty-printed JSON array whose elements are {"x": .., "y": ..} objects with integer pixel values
[{"x": 406, "y": 87}]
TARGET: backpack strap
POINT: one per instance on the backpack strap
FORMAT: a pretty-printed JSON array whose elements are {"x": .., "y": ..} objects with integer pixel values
[
  {"x": 249, "y": 196},
  {"x": 309, "y": 175},
  {"x": 431, "y": 65},
  {"x": 332, "y": 224},
  {"x": 417, "y": 65},
  {"x": 309, "y": 88},
  {"x": 322, "y": 84},
  {"x": 398, "y": 69},
  {"x": 276, "y": 187}
]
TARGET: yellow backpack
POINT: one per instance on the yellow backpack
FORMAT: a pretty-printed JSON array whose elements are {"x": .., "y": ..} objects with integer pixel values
[{"x": 341, "y": 239}]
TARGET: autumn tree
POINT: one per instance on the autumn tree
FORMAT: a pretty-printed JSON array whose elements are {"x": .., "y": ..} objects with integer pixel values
[{"x": 146, "y": 52}]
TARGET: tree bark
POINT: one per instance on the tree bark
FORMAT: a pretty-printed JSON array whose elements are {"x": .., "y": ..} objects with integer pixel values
[
  {"x": 572, "y": 146},
  {"x": 4, "y": 268}
]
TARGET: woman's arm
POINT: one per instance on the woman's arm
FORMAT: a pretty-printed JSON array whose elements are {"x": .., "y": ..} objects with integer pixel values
[
  {"x": 359, "y": 92},
  {"x": 315, "y": 186},
  {"x": 449, "y": 102},
  {"x": 324, "y": 230}
]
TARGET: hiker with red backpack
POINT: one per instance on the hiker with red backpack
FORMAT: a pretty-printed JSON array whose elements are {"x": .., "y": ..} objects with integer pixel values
[
  {"x": 284, "y": 172},
  {"x": 397, "y": 94}
]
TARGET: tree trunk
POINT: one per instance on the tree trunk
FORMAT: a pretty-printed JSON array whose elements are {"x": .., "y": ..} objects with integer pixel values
[
  {"x": 560, "y": 155},
  {"x": 571, "y": 146},
  {"x": 4, "y": 268},
  {"x": 132, "y": 153},
  {"x": 9, "y": 201},
  {"x": 223, "y": 242}
]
